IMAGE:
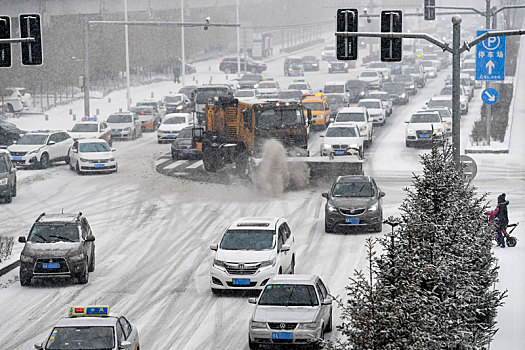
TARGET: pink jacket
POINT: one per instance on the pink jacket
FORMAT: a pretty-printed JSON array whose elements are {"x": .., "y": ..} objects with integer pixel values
[{"x": 492, "y": 213}]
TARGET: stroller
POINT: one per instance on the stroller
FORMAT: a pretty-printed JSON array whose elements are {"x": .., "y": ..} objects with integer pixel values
[{"x": 509, "y": 240}]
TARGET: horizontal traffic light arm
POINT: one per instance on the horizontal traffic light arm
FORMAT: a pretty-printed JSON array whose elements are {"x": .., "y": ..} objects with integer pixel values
[
  {"x": 510, "y": 7},
  {"x": 444, "y": 46},
  {"x": 17, "y": 40},
  {"x": 167, "y": 24},
  {"x": 458, "y": 8},
  {"x": 482, "y": 37}
]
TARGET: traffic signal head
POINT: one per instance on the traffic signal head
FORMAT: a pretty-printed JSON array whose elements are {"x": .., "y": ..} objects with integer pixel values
[
  {"x": 391, "y": 48},
  {"x": 30, "y": 27},
  {"x": 430, "y": 11},
  {"x": 346, "y": 22},
  {"x": 5, "y": 49}
]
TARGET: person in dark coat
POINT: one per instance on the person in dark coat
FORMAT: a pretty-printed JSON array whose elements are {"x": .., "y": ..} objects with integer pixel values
[
  {"x": 176, "y": 73},
  {"x": 502, "y": 218}
]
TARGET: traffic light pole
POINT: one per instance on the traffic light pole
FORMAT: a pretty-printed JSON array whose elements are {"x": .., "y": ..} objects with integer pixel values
[
  {"x": 456, "y": 52},
  {"x": 86, "y": 67}
]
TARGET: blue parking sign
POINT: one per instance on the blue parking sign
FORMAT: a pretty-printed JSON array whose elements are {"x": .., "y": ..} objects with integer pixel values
[{"x": 490, "y": 58}]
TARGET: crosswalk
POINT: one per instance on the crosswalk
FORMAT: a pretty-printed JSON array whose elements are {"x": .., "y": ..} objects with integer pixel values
[{"x": 168, "y": 166}]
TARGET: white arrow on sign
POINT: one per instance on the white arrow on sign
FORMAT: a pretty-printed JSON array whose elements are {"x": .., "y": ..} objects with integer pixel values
[
  {"x": 492, "y": 98},
  {"x": 490, "y": 65}
]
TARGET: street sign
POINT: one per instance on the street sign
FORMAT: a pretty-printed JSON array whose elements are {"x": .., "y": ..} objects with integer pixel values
[
  {"x": 490, "y": 96},
  {"x": 490, "y": 58},
  {"x": 470, "y": 168}
]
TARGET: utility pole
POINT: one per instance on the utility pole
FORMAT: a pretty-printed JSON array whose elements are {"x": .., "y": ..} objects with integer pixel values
[
  {"x": 128, "y": 94},
  {"x": 238, "y": 40},
  {"x": 456, "y": 108},
  {"x": 183, "y": 50},
  {"x": 86, "y": 67}
]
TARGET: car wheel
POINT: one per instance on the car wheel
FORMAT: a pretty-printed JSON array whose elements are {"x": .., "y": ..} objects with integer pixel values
[
  {"x": 328, "y": 228},
  {"x": 377, "y": 228},
  {"x": 407, "y": 143},
  {"x": 67, "y": 160},
  {"x": 329, "y": 326},
  {"x": 92, "y": 264},
  {"x": 25, "y": 279},
  {"x": 84, "y": 277},
  {"x": 361, "y": 153},
  {"x": 8, "y": 198},
  {"x": 292, "y": 265},
  {"x": 71, "y": 167},
  {"x": 44, "y": 161},
  {"x": 134, "y": 135},
  {"x": 280, "y": 270},
  {"x": 110, "y": 143},
  {"x": 216, "y": 291},
  {"x": 13, "y": 191},
  {"x": 174, "y": 155},
  {"x": 78, "y": 170},
  {"x": 252, "y": 345},
  {"x": 10, "y": 108}
]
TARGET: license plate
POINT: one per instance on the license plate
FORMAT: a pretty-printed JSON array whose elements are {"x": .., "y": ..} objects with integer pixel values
[
  {"x": 116, "y": 133},
  {"x": 51, "y": 265},
  {"x": 241, "y": 281},
  {"x": 339, "y": 153},
  {"x": 17, "y": 158},
  {"x": 171, "y": 136},
  {"x": 187, "y": 151},
  {"x": 282, "y": 335},
  {"x": 353, "y": 221},
  {"x": 100, "y": 165},
  {"x": 424, "y": 136}
]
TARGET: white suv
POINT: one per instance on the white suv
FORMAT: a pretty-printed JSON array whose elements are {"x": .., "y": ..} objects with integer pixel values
[
  {"x": 359, "y": 116},
  {"x": 16, "y": 99},
  {"x": 423, "y": 127},
  {"x": 250, "y": 252},
  {"x": 39, "y": 148}
]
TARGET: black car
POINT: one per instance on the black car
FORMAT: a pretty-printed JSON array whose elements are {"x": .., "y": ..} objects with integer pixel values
[
  {"x": 357, "y": 90},
  {"x": 397, "y": 92},
  {"x": 249, "y": 81},
  {"x": 58, "y": 246},
  {"x": 336, "y": 102},
  {"x": 310, "y": 63},
  {"x": 408, "y": 81},
  {"x": 9, "y": 133},
  {"x": 229, "y": 65},
  {"x": 354, "y": 201},
  {"x": 184, "y": 145},
  {"x": 416, "y": 73},
  {"x": 7, "y": 177}
]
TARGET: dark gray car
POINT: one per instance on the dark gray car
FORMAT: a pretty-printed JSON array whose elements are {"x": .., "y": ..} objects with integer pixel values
[
  {"x": 354, "y": 202},
  {"x": 58, "y": 245},
  {"x": 7, "y": 177}
]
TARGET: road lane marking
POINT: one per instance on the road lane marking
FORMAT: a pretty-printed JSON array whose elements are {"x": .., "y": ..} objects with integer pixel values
[{"x": 195, "y": 165}]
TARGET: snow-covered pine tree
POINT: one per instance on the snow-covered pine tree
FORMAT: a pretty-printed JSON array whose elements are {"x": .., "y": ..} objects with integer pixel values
[{"x": 432, "y": 287}]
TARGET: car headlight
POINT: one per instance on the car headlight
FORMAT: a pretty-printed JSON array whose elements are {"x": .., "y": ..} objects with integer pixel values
[
  {"x": 78, "y": 257},
  {"x": 268, "y": 263},
  {"x": 127, "y": 128},
  {"x": 238, "y": 86},
  {"x": 255, "y": 324},
  {"x": 373, "y": 207},
  {"x": 362, "y": 93},
  {"x": 329, "y": 66},
  {"x": 447, "y": 125},
  {"x": 111, "y": 159},
  {"x": 438, "y": 130},
  {"x": 255, "y": 86},
  {"x": 289, "y": 68},
  {"x": 346, "y": 65},
  {"x": 34, "y": 151},
  {"x": 403, "y": 95},
  {"x": 314, "y": 64},
  {"x": 308, "y": 325},
  {"x": 3, "y": 181},
  {"x": 84, "y": 160},
  {"x": 26, "y": 258},
  {"x": 410, "y": 131},
  {"x": 179, "y": 107},
  {"x": 331, "y": 208},
  {"x": 218, "y": 263},
  {"x": 327, "y": 146},
  {"x": 412, "y": 86}
]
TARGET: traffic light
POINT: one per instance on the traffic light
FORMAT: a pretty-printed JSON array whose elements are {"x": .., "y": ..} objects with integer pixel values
[
  {"x": 391, "y": 48},
  {"x": 347, "y": 22},
  {"x": 30, "y": 27},
  {"x": 430, "y": 11},
  {"x": 5, "y": 49}
]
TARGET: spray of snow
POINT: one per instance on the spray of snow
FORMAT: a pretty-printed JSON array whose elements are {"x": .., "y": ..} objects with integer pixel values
[{"x": 275, "y": 174}]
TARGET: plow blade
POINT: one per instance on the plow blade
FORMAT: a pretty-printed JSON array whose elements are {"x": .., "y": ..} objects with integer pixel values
[{"x": 326, "y": 168}]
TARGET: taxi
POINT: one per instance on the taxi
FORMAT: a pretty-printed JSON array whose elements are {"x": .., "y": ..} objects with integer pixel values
[
  {"x": 91, "y": 327},
  {"x": 92, "y": 128},
  {"x": 320, "y": 108}
]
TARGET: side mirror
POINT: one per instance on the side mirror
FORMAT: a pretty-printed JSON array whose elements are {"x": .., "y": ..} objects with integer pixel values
[
  {"x": 327, "y": 301},
  {"x": 214, "y": 246},
  {"x": 113, "y": 150},
  {"x": 22, "y": 239},
  {"x": 407, "y": 121},
  {"x": 39, "y": 346},
  {"x": 381, "y": 194},
  {"x": 285, "y": 248},
  {"x": 252, "y": 300},
  {"x": 325, "y": 195},
  {"x": 125, "y": 345},
  {"x": 50, "y": 143},
  {"x": 90, "y": 238},
  {"x": 321, "y": 135}
]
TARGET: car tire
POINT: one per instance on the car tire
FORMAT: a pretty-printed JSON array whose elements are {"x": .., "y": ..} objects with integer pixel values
[
  {"x": 328, "y": 228},
  {"x": 110, "y": 143},
  {"x": 84, "y": 277},
  {"x": 134, "y": 135},
  {"x": 361, "y": 152},
  {"x": 67, "y": 160},
  {"x": 92, "y": 264},
  {"x": 13, "y": 191},
  {"x": 216, "y": 291},
  {"x": 44, "y": 161},
  {"x": 329, "y": 326},
  {"x": 25, "y": 279},
  {"x": 252, "y": 345},
  {"x": 8, "y": 198},
  {"x": 292, "y": 265},
  {"x": 280, "y": 270},
  {"x": 377, "y": 228},
  {"x": 71, "y": 167},
  {"x": 407, "y": 143},
  {"x": 77, "y": 168}
]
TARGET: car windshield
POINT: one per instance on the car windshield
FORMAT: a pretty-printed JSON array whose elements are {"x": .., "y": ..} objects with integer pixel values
[
  {"x": 355, "y": 84},
  {"x": 393, "y": 87},
  {"x": 147, "y": 103},
  {"x": 298, "y": 86},
  {"x": 175, "y": 120},
  {"x": 142, "y": 110},
  {"x": 32, "y": 139},
  {"x": 54, "y": 233},
  {"x": 369, "y": 74},
  {"x": 94, "y": 147},
  {"x": 267, "y": 86},
  {"x": 309, "y": 59},
  {"x": 289, "y": 295},
  {"x": 314, "y": 106},
  {"x": 425, "y": 118},
  {"x": 380, "y": 96},
  {"x": 278, "y": 118},
  {"x": 119, "y": 118},
  {"x": 203, "y": 95},
  {"x": 444, "y": 112},
  {"x": 335, "y": 99},
  {"x": 353, "y": 189},
  {"x": 295, "y": 61},
  {"x": 402, "y": 78},
  {"x": 172, "y": 99},
  {"x": 378, "y": 65},
  {"x": 85, "y": 128},
  {"x": 350, "y": 117},
  {"x": 85, "y": 338},
  {"x": 248, "y": 93},
  {"x": 410, "y": 70},
  {"x": 369, "y": 104},
  {"x": 248, "y": 240},
  {"x": 290, "y": 95},
  {"x": 440, "y": 103},
  {"x": 331, "y": 89},
  {"x": 250, "y": 77},
  {"x": 446, "y": 91},
  {"x": 341, "y": 132}
]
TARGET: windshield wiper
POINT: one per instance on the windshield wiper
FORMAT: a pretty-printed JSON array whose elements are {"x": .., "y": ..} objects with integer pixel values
[
  {"x": 40, "y": 236},
  {"x": 62, "y": 238}
]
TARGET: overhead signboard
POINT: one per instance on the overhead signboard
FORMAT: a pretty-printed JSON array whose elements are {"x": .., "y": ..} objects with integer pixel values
[{"x": 490, "y": 58}]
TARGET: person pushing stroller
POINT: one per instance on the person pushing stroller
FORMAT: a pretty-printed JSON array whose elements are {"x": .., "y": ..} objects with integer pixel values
[{"x": 501, "y": 216}]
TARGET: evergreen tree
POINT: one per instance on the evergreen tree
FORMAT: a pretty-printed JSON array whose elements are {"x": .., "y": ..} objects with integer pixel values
[{"x": 432, "y": 287}]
